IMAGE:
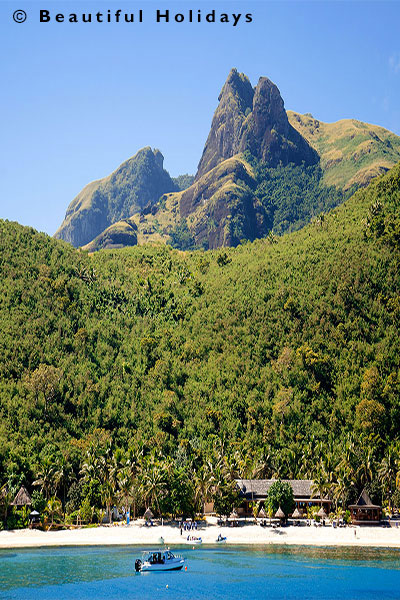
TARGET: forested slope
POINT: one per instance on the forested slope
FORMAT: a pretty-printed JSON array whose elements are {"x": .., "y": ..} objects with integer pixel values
[{"x": 282, "y": 353}]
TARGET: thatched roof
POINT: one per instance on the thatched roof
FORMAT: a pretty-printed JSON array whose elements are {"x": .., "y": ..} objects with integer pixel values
[
  {"x": 262, "y": 513},
  {"x": 23, "y": 498},
  {"x": 296, "y": 513},
  {"x": 257, "y": 489},
  {"x": 233, "y": 515},
  {"x": 364, "y": 501},
  {"x": 280, "y": 514},
  {"x": 321, "y": 513},
  {"x": 148, "y": 514}
]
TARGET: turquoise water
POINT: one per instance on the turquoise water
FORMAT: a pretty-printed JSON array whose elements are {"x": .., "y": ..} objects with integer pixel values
[{"x": 234, "y": 573}]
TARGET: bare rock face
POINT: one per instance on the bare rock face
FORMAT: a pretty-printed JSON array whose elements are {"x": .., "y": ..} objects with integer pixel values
[
  {"x": 220, "y": 207},
  {"x": 253, "y": 120},
  {"x": 268, "y": 134},
  {"x": 235, "y": 102}
]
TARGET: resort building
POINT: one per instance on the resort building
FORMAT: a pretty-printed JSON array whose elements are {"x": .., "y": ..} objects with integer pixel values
[
  {"x": 256, "y": 490},
  {"x": 364, "y": 512}
]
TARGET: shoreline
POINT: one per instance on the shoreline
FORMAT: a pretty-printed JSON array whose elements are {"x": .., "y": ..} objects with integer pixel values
[{"x": 136, "y": 534}]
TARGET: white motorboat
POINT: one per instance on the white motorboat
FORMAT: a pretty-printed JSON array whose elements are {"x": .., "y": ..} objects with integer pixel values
[
  {"x": 159, "y": 560},
  {"x": 192, "y": 539}
]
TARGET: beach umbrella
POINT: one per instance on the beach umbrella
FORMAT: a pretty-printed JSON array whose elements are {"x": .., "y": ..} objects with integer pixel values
[
  {"x": 262, "y": 514},
  {"x": 34, "y": 516},
  {"x": 296, "y": 513},
  {"x": 148, "y": 514},
  {"x": 280, "y": 514},
  {"x": 233, "y": 514},
  {"x": 321, "y": 513}
]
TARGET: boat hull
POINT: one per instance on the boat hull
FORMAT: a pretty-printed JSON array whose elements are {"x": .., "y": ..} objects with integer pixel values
[{"x": 177, "y": 566}]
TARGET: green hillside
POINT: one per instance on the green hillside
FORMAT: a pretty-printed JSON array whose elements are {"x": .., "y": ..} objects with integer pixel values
[
  {"x": 277, "y": 357},
  {"x": 351, "y": 152}
]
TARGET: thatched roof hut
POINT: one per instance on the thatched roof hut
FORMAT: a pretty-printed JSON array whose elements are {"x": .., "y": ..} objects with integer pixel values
[
  {"x": 262, "y": 514},
  {"x": 365, "y": 512},
  {"x": 321, "y": 513},
  {"x": 23, "y": 498},
  {"x": 296, "y": 514},
  {"x": 148, "y": 514},
  {"x": 280, "y": 514},
  {"x": 234, "y": 515}
]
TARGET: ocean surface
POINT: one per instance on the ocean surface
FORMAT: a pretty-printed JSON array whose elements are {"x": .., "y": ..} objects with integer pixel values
[{"x": 235, "y": 573}]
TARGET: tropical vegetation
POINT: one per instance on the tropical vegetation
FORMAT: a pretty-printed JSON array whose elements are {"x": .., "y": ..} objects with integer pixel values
[{"x": 149, "y": 377}]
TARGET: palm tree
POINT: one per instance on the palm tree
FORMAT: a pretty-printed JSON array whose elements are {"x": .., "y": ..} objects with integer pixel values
[
  {"x": 46, "y": 478},
  {"x": 262, "y": 468},
  {"x": 366, "y": 463},
  {"x": 203, "y": 485},
  {"x": 108, "y": 495},
  {"x": 6, "y": 497},
  {"x": 388, "y": 472},
  {"x": 63, "y": 475},
  {"x": 321, "y": 484},
  {"x": 153, "y": 482},
  {"x": 53, "y": 509},
  {"x": 126, "y": 486},
  {"x": 342, "y": 486}
]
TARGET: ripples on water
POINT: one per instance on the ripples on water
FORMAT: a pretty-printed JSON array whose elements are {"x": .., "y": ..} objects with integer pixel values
[{"x": 236, "y": 573}]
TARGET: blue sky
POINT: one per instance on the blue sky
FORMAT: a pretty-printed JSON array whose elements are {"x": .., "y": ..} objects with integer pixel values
[{"x": 79, "y": 99}]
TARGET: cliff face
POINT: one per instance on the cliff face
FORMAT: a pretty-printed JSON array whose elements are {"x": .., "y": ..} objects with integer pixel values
[
  {"x": 138, "y": 182},
  {"x": 254, "y": 120},
  {"x": 218, "y": 202},
  {"x": 268, "y": 134},
  {"x": 235, "y": 102}
]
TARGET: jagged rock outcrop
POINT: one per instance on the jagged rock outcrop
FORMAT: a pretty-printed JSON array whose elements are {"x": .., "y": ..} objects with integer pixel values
[
  {"x": 235, "y": 103},
  {"x": 254, "y": 120},
  {"x": 267, "y": 133},
  {"x": 220, "y": 206},
  {"x": 138, "y": 182}
]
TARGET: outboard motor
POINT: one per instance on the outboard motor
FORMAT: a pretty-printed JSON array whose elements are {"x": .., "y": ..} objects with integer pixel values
[{"x": 138, "y": 565}]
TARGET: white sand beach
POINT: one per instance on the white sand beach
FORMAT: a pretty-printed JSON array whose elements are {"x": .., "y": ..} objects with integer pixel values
[{"x": 249, "y": 534}]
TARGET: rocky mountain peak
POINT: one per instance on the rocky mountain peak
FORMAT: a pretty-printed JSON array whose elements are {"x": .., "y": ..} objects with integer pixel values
[
  {"x": 268, "y": 107},
  {"x": 255, "y": 120},
  {"x": 138, "y": 182},
  {"x": 235, "y": 102},
  {"x": 239, "y": 87}
]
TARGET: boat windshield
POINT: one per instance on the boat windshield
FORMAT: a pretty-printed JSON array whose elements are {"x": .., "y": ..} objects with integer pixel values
[
  {"x": 155, "y": 558},
  {"x": 158, "y": 557}
]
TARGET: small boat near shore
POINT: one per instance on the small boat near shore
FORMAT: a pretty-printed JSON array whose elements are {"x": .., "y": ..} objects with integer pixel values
[
  {"x": 192, "y": 539},
  {"x": 159, "y": 560}
]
